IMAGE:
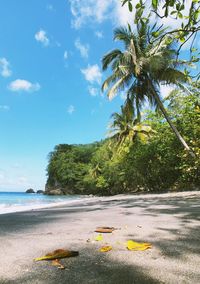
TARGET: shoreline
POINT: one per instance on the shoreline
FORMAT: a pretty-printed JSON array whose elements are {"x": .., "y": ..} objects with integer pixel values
[
  {"x": 15, "y": 208},
  {"x": 88, "y": 198},
  {"x": 170, "y": 222}
]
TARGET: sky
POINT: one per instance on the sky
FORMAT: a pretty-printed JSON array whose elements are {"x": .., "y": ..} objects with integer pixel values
[{"x": 50, "y": 81}]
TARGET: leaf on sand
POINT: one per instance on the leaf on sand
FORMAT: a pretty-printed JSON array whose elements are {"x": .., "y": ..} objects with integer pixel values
[
  {"x": 131, "y": 245},
  {"x": 105, "y": 249},
  {"x": 105, "y": 229},
  {"x": 56, "y": 254},
  {"x": 99, "y": 238}
]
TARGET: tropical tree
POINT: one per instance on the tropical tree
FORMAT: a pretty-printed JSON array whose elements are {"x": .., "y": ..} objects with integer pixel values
[
  {"x": 186, "y": 14},
  {"x": 141, "y": 67},
  {"x": 125, "y": 127}
]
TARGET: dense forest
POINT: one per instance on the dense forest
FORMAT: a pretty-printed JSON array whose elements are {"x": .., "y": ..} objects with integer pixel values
[
  {"x": 148, "y": 149},
  {"x": 152, "y": 160}
]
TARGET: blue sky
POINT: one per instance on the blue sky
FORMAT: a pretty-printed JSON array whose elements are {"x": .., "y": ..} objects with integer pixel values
[{"x": 50, "y": 78}]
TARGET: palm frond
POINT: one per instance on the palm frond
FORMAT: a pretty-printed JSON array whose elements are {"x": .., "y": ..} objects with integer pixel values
[
  {"x": 172, "y": 76},
  {"x": 111, "y": 79},
  {"x": 122, "y": 34},
  {"x": 109, "y": 57},
  {"x": 113, "y": 90}
]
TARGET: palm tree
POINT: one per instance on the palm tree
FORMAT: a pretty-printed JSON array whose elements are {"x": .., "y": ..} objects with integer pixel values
[
  {"x": 140, "y": 69},
  {"x": 126, "y": 128}
]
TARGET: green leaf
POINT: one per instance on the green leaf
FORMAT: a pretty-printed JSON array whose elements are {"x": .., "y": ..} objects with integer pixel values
[
  {"x": 182, "y": 39},
  {"x": 173, "y": 12},
  {"x": 171, "y": 3},
  {"x": 130, "y": 6},
  {"x": 180, "y": 15},
  {"x": 138, "y": 6},
  {"x": 129, "y": 28},
  {"x": 196, "y": 15},
  {"x": 155, "y": 34},
  {"x": 166, "y": 11},
  {"x": 169, "y": 40},
  {"x": 124, "y": 2},
  {"x": 155, "y": 4}
]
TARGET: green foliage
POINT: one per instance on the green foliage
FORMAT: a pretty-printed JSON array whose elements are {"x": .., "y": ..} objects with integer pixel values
[
  {"x": 159, "y": 164},
  {"x": 68, "y": 164},
  {"x": 139, "y": 69},
  {"x": 178, "y": 9}
]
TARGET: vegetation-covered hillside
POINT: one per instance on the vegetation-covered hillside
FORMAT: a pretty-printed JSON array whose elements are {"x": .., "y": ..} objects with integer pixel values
[
  {"x": 155, "y": 162},
  {"x": 148, "y": 150}
]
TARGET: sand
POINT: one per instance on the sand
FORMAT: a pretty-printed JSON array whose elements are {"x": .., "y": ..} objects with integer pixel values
[{"x": 171, "y": 222}]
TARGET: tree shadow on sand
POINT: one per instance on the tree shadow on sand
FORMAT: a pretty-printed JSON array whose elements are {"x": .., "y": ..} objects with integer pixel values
[
  {"x": 90, "y": 267},
  {"x": 184, "y": 238},
  {"x": 181, "y": 242}
]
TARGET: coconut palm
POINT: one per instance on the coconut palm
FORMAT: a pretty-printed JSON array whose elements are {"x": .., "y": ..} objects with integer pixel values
[
  {"x": 126, "y": 128},
  {"x": 140, "y": 69}
]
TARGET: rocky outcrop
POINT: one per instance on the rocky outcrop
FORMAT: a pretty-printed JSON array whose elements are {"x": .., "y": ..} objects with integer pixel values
[
  {"x": 30, "y": 190},
  {"x": 40, "y": 191},
  {"x": 58, "y": 190},
  {"x": 55, "y": 191}
]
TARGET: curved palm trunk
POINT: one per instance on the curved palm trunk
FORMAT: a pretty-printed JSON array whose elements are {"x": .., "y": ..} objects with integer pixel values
[{"x": 173, "y": 127}]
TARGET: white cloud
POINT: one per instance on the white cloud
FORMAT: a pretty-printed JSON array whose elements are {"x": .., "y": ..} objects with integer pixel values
[
  {"x": 84, "y": 49},
  {"x": 99, "y": 34},
  {"x": 42, "y": 37},
  {"x": 65, "y": 55},
  {"x": 97, "y": 11},
  {"x": 82, "y": 10},
  {"x": 70, "y": 109},
  {"x": 93, "y": 91},
  {"x": 4, "y": 108},
  {"x": 5, "y": 67},
  {"x": 165, "y": 90},
  {"x": 122, "y": 15},
  {"x": 23, "y": 85},
  {"x": 92, "y": 73}
]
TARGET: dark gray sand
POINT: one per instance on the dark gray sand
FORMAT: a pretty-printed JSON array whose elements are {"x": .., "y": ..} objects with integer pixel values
[{"x": 171, "y": 222}]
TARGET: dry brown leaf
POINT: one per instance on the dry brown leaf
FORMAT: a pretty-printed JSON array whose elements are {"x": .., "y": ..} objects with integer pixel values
[
  {"x": 59, "y": 253},
  {"x": 105, "y": 229}
]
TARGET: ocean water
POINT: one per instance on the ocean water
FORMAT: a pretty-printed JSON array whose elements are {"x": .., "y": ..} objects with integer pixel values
[{"x": 19, "y": 201}]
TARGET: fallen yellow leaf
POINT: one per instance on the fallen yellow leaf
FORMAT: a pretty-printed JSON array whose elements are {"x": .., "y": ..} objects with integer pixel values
[
  {"x": 99, "y": 238},
  {"x": 131, "y": 245},
  {"x": 105, "y": 249}
]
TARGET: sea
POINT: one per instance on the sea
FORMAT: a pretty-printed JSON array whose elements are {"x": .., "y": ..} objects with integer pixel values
[{"x": 19, "y": 201}]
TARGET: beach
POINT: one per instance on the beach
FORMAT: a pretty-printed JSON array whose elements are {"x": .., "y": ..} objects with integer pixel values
[{"x": 170, "y": 222}]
